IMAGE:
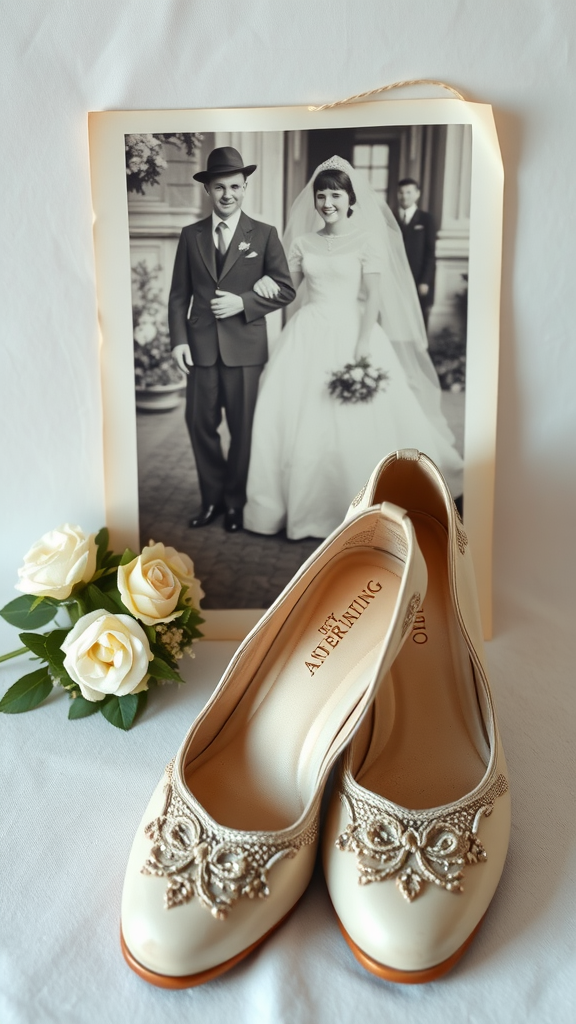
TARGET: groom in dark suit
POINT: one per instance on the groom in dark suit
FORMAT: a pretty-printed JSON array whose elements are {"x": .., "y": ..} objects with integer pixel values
[
  {"x": 419, "y": 234},
  {"x": 218, "y": 329}
]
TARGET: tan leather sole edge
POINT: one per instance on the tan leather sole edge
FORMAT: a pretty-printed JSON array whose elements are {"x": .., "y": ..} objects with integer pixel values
[
  {"x": 191, "y": 980},
  {"x": 407, "y": 977}
]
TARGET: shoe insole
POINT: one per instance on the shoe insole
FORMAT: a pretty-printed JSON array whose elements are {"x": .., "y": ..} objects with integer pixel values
[
  {"x": 261, "y": 769},
  {"x": 428, "y": 747}
]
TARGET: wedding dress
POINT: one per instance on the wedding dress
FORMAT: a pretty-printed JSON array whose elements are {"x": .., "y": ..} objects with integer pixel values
[{"x": 311, "y": 454}]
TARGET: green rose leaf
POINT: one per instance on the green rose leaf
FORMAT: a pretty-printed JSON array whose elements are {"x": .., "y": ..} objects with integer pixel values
[
  {"x": 27, "y": 693},
  {"x": 47, "y": 647},
  {"x": 114, "y": 595},
  {"x": 120, "y": 711},
  {"x": 54, "y": 640},
  {"x": 35, "y": 642},
  {"x": 97, "y": 598},
  {"x": 107, "y": 582},
  {"x": 160, "y": 652},
  {"x": 110, "y": 560},
  {"x": 29, "y": 612},
  {"x": 81, "y": 708},
  {"x": 128, "y": 556},
  {"x": 191, "y": 617},
  {"x": 75, "y": 611},
  {"x": 76, "y": 607},
  {"x": 102, "y": 541},
  {"x": 161, "y": 670},
  {"x": 55, "y": 656}
]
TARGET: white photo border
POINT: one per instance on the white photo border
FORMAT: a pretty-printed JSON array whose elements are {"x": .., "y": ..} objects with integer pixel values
[{"x": 112, "y": 258}]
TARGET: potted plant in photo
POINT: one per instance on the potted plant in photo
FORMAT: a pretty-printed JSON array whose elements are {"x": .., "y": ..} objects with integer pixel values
[
  {"x": 145, "y": 156},
  {"x": 159, "y": 383},
  {"x": 448, "y": 347}
]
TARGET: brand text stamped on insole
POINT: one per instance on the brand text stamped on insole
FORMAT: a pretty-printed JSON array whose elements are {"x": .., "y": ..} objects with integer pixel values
[{"x": 334, "y": 629}]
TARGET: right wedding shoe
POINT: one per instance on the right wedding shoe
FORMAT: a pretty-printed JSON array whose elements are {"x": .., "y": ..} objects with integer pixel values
[
  {"x": 418, "y": 827},
  {"x": 236, "y": 814}
]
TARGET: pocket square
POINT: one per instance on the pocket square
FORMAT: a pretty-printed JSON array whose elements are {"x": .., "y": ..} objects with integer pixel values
[
  {"x": 250, "y": 255},
  {"x": 418, "y": 227}
]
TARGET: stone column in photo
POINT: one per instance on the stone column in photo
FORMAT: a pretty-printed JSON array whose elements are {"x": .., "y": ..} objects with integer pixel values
[{"x": 453, "y": 239}]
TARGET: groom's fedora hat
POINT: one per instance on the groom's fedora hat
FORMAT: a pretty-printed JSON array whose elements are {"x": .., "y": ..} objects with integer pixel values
[{"x": 225, "y": 160}]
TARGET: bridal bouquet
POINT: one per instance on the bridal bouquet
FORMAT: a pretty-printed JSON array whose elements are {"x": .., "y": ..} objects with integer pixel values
[
  {"x": 357, "y": 382},
  {"x": 130, "y": 619}
]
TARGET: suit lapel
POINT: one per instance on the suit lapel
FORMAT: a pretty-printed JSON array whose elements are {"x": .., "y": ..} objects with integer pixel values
[
  {"x": 242, "y": 234},
  {"x": 207, "y": 247}
]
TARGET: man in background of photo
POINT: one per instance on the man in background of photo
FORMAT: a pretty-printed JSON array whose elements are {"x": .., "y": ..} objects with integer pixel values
[{"x": 419, "y": 234}]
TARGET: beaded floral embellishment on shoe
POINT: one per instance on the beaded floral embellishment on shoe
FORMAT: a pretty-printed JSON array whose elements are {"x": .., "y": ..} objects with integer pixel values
[
  {"x": 217, "y": 865},
  {"x": 414, "y": 846}
]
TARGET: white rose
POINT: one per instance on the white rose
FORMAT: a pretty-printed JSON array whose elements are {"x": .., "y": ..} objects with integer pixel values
[
  {"x": 107, "y": 654},
  {"x": 149, "y": 588},
  {"x": 57, "y": 562},
  {"x": 183, "y": 567}
]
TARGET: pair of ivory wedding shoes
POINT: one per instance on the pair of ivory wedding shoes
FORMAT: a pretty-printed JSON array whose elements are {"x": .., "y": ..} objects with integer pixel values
[{"x": 351, "y": 655}]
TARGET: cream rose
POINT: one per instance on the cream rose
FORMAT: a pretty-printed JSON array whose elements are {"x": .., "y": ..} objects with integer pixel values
[
  {"x": 57, "y": 562},
  {"x": 183, "y": 567},
  {"x": 107, "y": 654},
  {"x": 149, "y": 588}
]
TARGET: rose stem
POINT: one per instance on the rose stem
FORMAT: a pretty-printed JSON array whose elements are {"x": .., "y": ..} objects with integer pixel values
[{"x": 14, "y": 654}]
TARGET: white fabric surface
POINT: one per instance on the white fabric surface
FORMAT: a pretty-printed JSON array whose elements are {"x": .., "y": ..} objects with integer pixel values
[{"x": 72, "y": 793}]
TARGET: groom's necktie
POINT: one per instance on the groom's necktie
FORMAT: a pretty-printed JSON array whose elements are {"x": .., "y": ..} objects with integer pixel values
[{"x": 221, "y": 250}]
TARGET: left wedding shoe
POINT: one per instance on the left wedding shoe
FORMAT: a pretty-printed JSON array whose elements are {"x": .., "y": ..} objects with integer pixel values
[
  {"x": 236, "y": 814},
  {"x": 417, "y": 830}
]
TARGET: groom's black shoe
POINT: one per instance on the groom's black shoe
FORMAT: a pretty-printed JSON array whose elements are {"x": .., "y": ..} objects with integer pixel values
[
  {"x": 233, "y": 520},
  {"x": 206, "y": 516}
]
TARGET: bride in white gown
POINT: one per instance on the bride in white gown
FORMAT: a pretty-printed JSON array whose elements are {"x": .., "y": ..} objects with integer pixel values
[{"x": 310, "y": 454}]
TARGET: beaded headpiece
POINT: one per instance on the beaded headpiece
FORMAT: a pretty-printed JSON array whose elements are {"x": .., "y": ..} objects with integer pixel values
[{"x": 335, "y": 162}]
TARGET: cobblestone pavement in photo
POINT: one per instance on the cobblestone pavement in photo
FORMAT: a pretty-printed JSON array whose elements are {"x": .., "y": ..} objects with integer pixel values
[{"x": 243, "y": 570}]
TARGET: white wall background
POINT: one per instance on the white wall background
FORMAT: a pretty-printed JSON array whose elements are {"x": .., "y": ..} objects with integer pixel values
[{"x": 60, "y": 59}]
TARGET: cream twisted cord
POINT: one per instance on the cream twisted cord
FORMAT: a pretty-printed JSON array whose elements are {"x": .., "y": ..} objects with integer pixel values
[{"x": 386, "y": 88}]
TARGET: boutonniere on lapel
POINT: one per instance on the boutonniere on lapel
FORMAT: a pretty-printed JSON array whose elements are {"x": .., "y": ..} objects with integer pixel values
[{"x": 243, "y": 247}]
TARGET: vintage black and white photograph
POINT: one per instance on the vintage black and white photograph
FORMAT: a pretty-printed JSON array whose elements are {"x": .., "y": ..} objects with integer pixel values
[
  {"x": 285, "y": 296},
  {"x": 299, "y": 310}
]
